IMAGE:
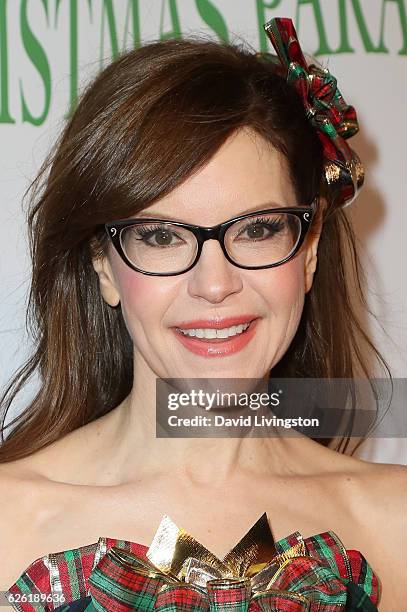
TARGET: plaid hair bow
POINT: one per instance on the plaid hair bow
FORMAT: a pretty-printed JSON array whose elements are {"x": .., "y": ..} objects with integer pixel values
[
  {"x": 334, "y": 120},
  {"x": 179, "y": 573}
]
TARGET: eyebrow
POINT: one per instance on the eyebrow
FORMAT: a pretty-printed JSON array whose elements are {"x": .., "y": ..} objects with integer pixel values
[{"x": 256, "y": 208}]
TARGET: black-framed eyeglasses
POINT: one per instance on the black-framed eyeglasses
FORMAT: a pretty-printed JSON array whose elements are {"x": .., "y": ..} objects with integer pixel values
[{"x": 253, "y": 241}]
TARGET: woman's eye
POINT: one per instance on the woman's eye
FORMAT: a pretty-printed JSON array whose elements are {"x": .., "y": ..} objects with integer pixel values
[
  {"x": 260, "y": 230},
  {"x": 157, "y": 237}
]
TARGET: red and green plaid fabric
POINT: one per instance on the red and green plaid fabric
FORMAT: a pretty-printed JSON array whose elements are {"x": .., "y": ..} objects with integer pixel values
[
  {"x": 328, "y": 579},
  {"x": 334, "y": 119}
]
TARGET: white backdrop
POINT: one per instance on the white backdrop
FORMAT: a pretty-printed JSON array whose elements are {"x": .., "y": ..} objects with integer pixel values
[{"x": 50, "y": 48}]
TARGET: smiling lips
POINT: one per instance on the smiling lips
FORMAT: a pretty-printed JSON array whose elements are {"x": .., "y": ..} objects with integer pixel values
[{"x": 216, "y": 337}]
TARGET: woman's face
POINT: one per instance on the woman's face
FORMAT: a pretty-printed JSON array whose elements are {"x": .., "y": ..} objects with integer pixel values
[{"x": 246, "y": 174}]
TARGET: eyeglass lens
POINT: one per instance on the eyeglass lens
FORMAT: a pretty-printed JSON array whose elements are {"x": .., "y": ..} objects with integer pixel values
[{"x": 260, "y": 240}]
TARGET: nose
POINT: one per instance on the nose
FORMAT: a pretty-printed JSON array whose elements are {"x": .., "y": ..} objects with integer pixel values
[{"x": 213, "y": 277}]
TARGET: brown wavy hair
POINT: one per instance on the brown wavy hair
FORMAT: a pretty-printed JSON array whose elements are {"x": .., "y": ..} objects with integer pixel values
[{"x": 149, "y": 120}]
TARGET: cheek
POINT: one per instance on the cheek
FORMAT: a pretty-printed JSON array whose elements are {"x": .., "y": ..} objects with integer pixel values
[
  {"x": 144, "y": 301},
  {"x": 285, "y": 297},
  {"x": 286, "y": 288},
  {"x": 138, "y": 296}
]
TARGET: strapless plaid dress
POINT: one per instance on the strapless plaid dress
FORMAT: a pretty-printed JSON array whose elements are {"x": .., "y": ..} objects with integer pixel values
[{"x": 176, "y": 572}]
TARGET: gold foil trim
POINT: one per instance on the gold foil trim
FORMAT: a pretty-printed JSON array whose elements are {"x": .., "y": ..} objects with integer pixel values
[
  {"x": 261, "y": 579},
  {"x": 254, "y": 556},
  {"x": 172, "y": 547},
  {"x": 100, "y": 551},
  {"x": 297, "y": 550},
  {"x": 144, "y": 567},
  {"x": 287, "y": 594},
  {"x": 277, "y": 573},
  {"x": 337, "y": 176},
  {"x": 256, "y": 547},
  {"x": 359, "y": 170},
  {"x": 332, "y": 173},
  {"x": 198, "y": 572}
]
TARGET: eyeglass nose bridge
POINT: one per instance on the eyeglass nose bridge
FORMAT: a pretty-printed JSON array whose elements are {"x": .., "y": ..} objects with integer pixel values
[
  {"x": 202, "y": 234},
  {"x": 209, "y": 233}
]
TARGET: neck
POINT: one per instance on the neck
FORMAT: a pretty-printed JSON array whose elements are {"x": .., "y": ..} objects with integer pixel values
[{"x": 208, "y": 461}]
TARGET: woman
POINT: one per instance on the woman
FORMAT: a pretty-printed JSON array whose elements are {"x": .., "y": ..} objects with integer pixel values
[{"x": 196, "y": 133}]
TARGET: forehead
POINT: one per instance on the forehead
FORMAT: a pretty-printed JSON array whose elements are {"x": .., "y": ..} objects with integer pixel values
[{"x": 246, "y": 173}]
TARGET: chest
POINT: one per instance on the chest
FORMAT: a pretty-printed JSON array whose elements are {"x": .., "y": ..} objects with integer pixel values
[
  {"x": 70, "y": 517},
  {"x": 217, "y": 519}
]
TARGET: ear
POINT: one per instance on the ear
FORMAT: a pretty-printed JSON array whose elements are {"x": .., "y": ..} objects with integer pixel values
[
  {"x": 311, "y": 247},
  {"x": 107, "y": 284}
]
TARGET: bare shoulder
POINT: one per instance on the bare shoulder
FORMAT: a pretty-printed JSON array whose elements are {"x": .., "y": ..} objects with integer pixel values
[
  {"x": 19, "y": 516},
  {"x": 377, "y": 493},
  {"x": 382, "y": 503},
  {"x": 17, "y": 493},
  {"x": 385, "y": 487}
]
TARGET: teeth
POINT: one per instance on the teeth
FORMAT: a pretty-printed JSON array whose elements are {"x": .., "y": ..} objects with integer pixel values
[{"x": 226, "y": 332}]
